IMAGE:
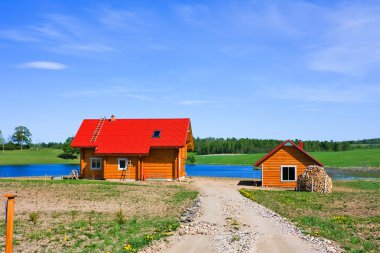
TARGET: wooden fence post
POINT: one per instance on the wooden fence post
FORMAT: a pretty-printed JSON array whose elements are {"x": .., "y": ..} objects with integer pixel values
[
  {"x": 9, "y": 221},
  {"x": 312, "y": 184},
  {"x": 324, "y": 186}
]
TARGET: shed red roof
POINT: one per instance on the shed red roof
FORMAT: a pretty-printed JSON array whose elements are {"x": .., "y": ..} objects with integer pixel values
[
  {"x": 132, "y": 136},
  {"x": 259, "y": 162}
]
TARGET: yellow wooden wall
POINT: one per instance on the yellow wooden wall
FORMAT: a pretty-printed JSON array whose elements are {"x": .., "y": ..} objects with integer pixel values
[
  {"x": 111, "y": 170},
  {"x": 85, "y": 165},
  {"x": 287, "y": 155},
  {"x": 160, "y": 163}
]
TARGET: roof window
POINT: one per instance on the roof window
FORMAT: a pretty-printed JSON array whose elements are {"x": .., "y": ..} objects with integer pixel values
[{"x": 156, "y": 134}]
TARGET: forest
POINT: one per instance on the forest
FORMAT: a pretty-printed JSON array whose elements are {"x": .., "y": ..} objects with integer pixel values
[{"x": 210, "y": 145}]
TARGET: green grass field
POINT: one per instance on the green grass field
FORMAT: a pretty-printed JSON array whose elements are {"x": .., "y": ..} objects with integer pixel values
[
  {"x": 349, "y": 215},
  {"x": 355, "y": 158},
  {"x": 42, "y": 156}
]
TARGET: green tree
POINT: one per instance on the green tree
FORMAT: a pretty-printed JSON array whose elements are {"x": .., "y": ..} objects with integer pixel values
[
  {"x": 191, "y": 159},
  {"x": 21, "y": 136},
  {"x": 2, "y": 140},
  {"x": 67, "y": 149}
]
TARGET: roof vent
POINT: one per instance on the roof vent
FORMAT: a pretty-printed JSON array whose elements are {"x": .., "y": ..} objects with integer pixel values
[{"x": 113, "y": 118}]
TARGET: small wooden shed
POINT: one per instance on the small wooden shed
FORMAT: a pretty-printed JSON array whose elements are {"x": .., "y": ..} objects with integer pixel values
[
  {"x": 282, "y": 166},
  {"x": 135, "y": 149}
]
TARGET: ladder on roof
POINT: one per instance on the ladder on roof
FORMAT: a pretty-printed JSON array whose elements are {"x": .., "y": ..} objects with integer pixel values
[{"x": 97, "y": 130}]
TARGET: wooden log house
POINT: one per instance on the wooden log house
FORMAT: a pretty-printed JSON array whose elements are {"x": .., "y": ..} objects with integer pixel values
[
  {"x": 282, "y": 166},
  {"x": 136, "y": 149}
]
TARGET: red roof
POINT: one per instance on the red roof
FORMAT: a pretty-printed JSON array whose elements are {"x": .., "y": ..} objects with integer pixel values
[
  {"x": 259, "y": 162},
  {"x": 132, "y": 136}
]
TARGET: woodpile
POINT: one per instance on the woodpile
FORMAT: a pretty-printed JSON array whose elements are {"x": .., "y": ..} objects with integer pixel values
[{"x": 315, "y": 179}]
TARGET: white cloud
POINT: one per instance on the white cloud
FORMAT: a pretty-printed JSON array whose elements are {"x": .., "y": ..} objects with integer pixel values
[{"x": 43, "y": 65}]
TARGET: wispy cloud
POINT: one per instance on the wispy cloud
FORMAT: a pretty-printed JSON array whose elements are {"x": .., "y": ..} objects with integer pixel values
[
  {"x": 123, "y": 91},
  {"x": 48, "y": 65},
  {"x": 88, "y": 47},
  {"x": 196, "y": 102},
  {"x": 191, "y": 12},
  {"x": 350, "y": 44},
  {"x": 62, "y": 34},
  {"x": 16, "y": 35},
  {"x": 327, "y": 93}
]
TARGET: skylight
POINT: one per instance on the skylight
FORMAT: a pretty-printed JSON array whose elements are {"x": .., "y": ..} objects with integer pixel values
[{"x": 156, "y": 134}]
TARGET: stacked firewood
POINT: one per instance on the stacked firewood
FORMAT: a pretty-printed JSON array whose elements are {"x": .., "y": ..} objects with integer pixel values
[{"x": 315, "y": 179}]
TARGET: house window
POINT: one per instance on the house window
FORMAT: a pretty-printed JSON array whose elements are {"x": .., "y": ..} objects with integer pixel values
[
  {"x": 96, "y": 163},
  {"x": 156, "y": 134},
  {"x": 288, "y": 173},
  {"x": 122, "y": 163}
]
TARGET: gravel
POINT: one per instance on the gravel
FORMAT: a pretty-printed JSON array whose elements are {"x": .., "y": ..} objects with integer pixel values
[{"x": 232, "y": 235}]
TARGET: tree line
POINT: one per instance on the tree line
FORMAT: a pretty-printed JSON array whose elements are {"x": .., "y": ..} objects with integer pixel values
[
  {"x": 22, "y": 138},
  {"x": 205, "y": 146}
]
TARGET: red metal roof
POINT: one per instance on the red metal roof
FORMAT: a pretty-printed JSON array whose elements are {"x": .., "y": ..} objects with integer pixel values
[
  {"x": 259, "y": 162},
  {"x": 132, "y": 136}
]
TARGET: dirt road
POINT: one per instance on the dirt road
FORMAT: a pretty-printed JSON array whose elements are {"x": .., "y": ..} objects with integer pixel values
[{"x": 231, "y": 223}]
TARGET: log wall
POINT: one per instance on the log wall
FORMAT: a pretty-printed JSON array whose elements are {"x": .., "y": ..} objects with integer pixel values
[
  {"x": 159, "y": 164},
  {"x": 287, "y": 155}
]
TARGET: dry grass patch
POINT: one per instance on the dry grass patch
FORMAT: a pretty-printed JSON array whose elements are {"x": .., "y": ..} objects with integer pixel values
[{"x": 83, "y": 216}]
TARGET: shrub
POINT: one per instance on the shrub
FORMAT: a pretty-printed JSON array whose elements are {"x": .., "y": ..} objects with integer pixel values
[
  {"x": 34, "y": 217},
  {"x": 120, "y": 219}
]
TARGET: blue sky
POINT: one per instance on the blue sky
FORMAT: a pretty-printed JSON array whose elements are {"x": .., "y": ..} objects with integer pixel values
[{"x": 258, "y": 69}]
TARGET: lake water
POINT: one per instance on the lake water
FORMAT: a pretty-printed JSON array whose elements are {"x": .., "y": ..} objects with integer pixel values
[
  {"x": 237, "y": 171},
  {"x": 35, "y": 170},
  {"x": 201, "y": 170}
]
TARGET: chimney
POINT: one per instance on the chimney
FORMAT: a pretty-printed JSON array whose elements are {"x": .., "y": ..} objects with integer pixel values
[
  {"x": 300, "y": 144},
  {"x": 113, "y": 118}
]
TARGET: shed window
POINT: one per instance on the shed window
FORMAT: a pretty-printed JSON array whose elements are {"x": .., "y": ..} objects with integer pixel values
[
  {"x": 156, "y": 134},
  {"x": 288, "y": 173},
  {"x": 122, "y": 163},
  {"x": 96, "y": 163}
]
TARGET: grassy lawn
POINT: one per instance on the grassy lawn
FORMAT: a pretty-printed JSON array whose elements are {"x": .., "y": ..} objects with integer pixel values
[
  {"x": 355, "y": 158},
  {"x": 42, "y": 156},
  {"x": 93, "y": 216},
  {"x": 350, "y": 215}
]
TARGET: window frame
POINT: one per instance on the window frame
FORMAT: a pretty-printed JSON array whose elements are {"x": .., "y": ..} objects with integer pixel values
[
  {"x": 126, "y": 163},
  {"x": 100, "y": 163},
  {"x": 282, "y": 171}
]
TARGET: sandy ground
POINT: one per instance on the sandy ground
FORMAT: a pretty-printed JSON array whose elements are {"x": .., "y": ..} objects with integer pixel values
[{"x": 221, "y": 203}]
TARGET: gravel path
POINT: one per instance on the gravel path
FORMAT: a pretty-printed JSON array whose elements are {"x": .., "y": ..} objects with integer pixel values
[{"x": 224, "y": 221}]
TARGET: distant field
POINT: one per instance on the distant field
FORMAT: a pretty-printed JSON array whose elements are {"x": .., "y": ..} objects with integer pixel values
[
  {"x": 355, "y": 158},
  {"x": 42, "y": 156}
]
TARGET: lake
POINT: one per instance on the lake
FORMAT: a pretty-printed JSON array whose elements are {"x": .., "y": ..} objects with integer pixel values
[
  {"x": 201, "y": 170},
  {"x": 35, "y": 170}
]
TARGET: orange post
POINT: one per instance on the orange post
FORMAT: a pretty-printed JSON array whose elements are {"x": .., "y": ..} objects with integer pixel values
[{"x": 9, "y": 221}]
